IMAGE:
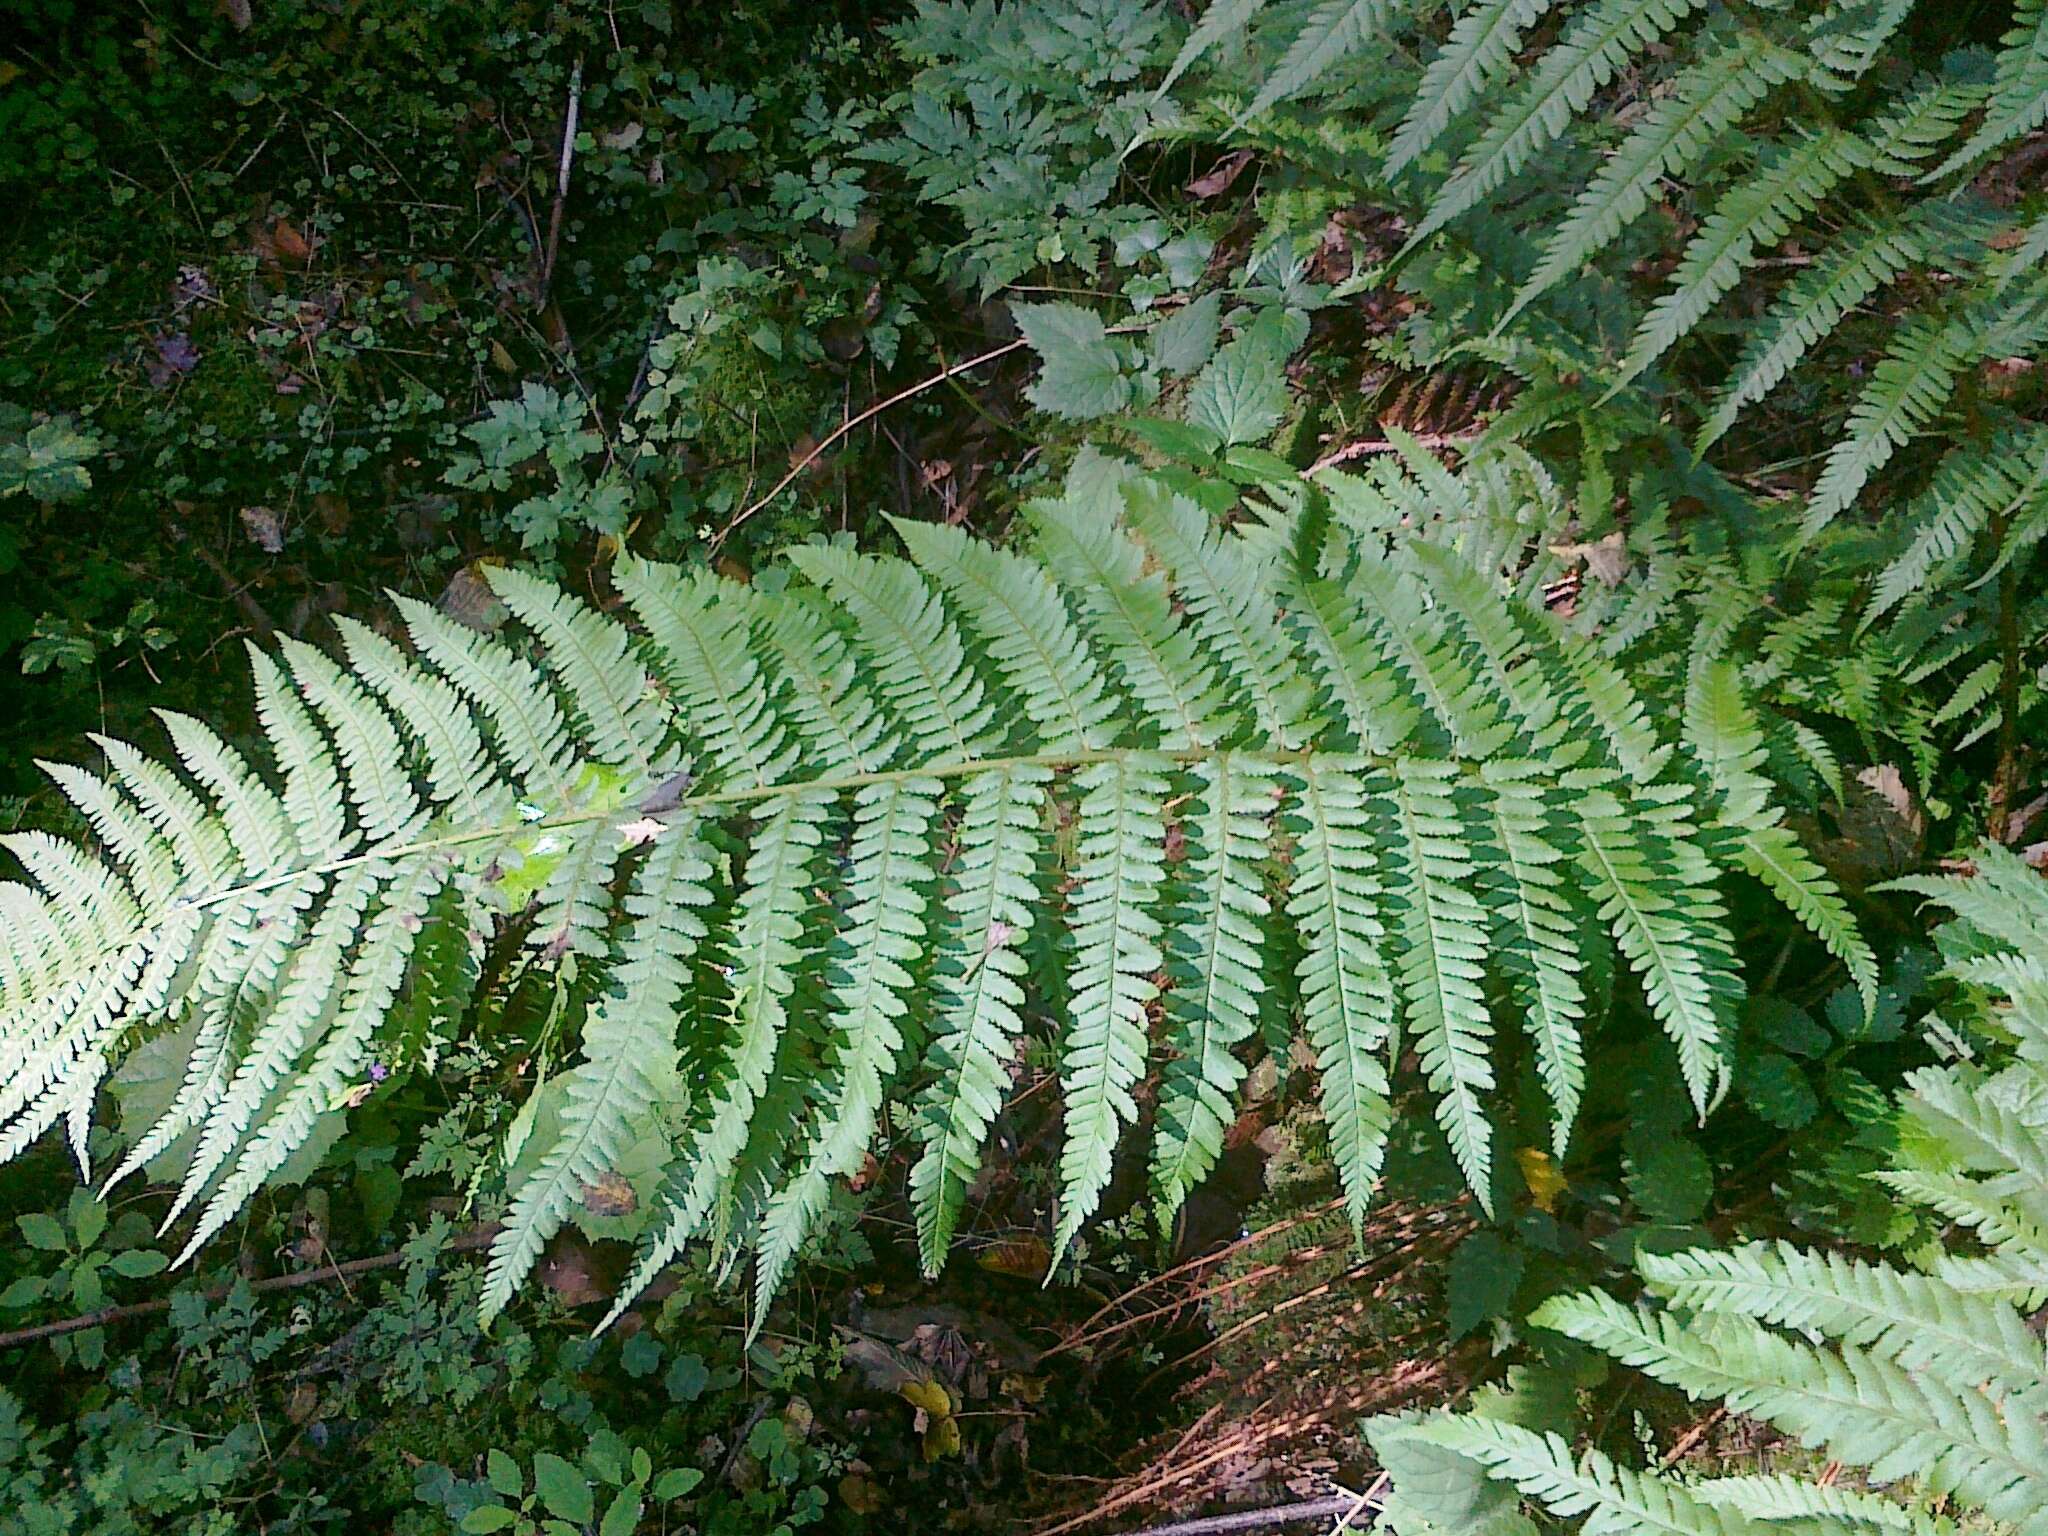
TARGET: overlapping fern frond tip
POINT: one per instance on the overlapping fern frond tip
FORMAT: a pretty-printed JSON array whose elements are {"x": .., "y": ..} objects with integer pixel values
[
  {"x": 1929, "y": 1383},
  {"x": 1380, "y": 765}
]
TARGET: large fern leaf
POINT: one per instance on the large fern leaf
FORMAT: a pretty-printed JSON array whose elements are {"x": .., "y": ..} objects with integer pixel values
[{"x": 889, "y": 750}]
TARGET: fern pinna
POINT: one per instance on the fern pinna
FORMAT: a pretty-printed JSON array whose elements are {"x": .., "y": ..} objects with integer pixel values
[
  {"x": 1931, "y": 1378},
  {"x": 804, "y": 839}
]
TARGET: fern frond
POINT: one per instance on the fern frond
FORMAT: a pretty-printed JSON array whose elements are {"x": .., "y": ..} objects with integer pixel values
[
  {"x": 309, "y": 989},
  {"x": 1912, "y": 382},
  {"x": 1221, "y": 20},
  {"x": 882, "y": 757},
  {"x": 523, "y": 713},
  {"x": 374, "y": 975},
  {"x": 1415, "y": 641},
  {"x": 1333, "y": 31},
  {"x": 823, "y": 697},
  {"x": 1779, "y": 1497},
  {"x": 1907, "y": 386},
  {"x": 1014, "y": 609},
  {"x": 1611, "y": 1497},
  {"x": 2019, "y": 97},
  {"x": 761, "y": 953},
  {"x": 1807, "y": 311},
  {"x": 1758, "y": 211},
  {"x": 1861, "y": 1407},
  {"x": 1970, "y": 487},
  {"x": 1595, "y": 47},
  {"x": 1921, "y": 1324},
  {"x": 1848, "y": 36},
  {"x": 1377, "y": 712},
  {"x": 1705, "y": 101},
  {"x": 595, "y": 661},
  {"x": 1481, "y": 45}
]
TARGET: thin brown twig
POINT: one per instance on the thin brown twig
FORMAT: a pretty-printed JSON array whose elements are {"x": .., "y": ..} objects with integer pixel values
[
  {"x": 849, "y": 424},
  {"x": 1343, "y": 1505},
  {"x": 1372, "y": 446},
  {"x": 462, "y": 1242},
  {"x": 547, "y": 267},
  {"x": 1205, "y": 1261},
  {"x": 1692, "y": 1437}
]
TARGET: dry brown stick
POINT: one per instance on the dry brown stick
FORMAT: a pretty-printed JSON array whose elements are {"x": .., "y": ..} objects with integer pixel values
[
  {"x": 1090, "y": 1336},
  {"x": 1372, "y": 446},
  {"x": 1692, "y": 1437},
  {"x": 952, "y": 370},
  {"x": 463, "y": 1242},
  {"x": 1340, "y": 1505},
  {"x": 547, "y": 269}
]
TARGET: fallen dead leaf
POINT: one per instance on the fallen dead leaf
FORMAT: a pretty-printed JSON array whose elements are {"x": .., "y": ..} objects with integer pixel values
[
  {"x": 1027, "y": 1257},
  {"x": 1606, "y": 558},
  {"x": 468, "y": 599},
  {"x": 1545, "y": 1180},
  {"x": 1217, "y": 179},
  {"x": 264, "y": 529},
  {"x": 610, "y": 1195},
  {"x": 861, "y": 1494}
]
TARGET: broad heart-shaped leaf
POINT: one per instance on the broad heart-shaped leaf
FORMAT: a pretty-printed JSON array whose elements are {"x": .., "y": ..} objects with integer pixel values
[
  {"x": 1084, "y": 374},
  {"x": 788, "y": 853}
]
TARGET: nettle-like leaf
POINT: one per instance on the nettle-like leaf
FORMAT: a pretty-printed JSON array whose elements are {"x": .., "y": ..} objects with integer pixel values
[{"x": 1276, "y": 742}]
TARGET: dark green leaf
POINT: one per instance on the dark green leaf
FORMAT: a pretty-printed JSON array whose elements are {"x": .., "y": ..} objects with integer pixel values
[{"x": 561, "y": 1487}]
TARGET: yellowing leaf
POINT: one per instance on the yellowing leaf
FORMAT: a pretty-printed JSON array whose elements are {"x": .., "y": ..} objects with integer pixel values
[{"x": 1541, "y": 1173}]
